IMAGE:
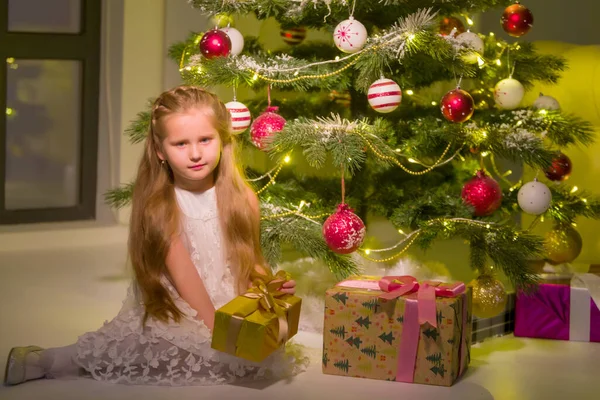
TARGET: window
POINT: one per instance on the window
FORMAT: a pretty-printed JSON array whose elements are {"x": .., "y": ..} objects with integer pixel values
[{"x": 49, "y": 87}]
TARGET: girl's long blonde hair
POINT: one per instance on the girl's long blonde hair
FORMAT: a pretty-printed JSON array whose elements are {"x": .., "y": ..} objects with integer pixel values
[{"x": 155, "y": 215}]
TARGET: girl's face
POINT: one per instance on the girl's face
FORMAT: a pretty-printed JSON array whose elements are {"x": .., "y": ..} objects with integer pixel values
[{"x": 192, "y": 147}]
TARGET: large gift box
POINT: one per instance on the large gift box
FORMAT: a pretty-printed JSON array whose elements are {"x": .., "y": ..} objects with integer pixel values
[
  {"x": 255, "y": 324},
  {"x": 558, "y": 311},
  {"x": 395, "y": 328}
]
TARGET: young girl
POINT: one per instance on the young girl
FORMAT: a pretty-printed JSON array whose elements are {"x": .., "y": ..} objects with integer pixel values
[{"x": 194, "y": 245}]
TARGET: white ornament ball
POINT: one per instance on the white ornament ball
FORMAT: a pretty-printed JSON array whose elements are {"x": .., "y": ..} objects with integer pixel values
[
  {"x": 546, "y": 103},
  {"x": 350, "y": 35},
  {"x": 384, "y": 95},
  {"x": 237, "y": 40},
  {"x": 508, "y": 94},
  {"x": 534, "y": 197},
  {"x": 240, "y": 116},
  {"x": 472, "y": 41}
]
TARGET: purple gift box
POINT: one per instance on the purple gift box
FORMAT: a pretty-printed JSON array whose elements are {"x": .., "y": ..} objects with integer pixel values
[{"x": 561, "y": 311}]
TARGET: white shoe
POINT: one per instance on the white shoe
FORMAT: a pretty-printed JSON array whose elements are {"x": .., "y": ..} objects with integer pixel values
[{"x": 15, "y": 364}]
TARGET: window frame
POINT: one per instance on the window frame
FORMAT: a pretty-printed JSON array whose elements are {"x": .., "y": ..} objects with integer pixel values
[{"x": 83, "y": 47}]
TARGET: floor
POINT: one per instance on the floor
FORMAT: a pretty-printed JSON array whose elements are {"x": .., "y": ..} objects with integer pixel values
[{"x": 50, "y": 297}]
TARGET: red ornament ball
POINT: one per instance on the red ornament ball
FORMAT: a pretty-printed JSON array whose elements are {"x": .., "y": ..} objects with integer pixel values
[
  {"x": 457, "y": 105},
  {"x": 483, "y": 193},
  {"x": 265, "y": 126},
  {"x": 560, "y": 169},
  {"x": 517, "y": 20},
  {"x": 449, "y": 23},
  {"x": 293, "y": 36},
  {"x": 344, "y": 231},
  {"x": 215, "y": 43}
]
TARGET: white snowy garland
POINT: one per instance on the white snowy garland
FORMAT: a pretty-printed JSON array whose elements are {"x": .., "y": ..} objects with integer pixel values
[
  {"x": 515, "y": 128},
  {"x": 295, "y": 8},
  {"x": 394, "y": 39},
  {"x": 296, "y": 5},
  {"x": 522, "y": 139}
]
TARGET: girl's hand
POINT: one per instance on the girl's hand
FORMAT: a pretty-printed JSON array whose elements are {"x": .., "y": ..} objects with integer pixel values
[{"x": 288, "y": 287}]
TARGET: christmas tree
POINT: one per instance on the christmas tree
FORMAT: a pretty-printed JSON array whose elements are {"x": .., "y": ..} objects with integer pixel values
[
  {"x": 363, "y": 321},
  {"x": 387, "y": 337},
  {"x": 354, "y": 341},
  {"x": 362, "y": 112},
  {"x": 343, "y": 365},
  {"x": 431, "y": 333},
  {"x": 340, "y": 331}
]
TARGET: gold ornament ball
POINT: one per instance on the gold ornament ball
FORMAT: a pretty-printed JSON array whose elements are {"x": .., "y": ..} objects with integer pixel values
[
  {"x": 489, "y": 296},
  {"x": 536, "y": 266},
  {"x": 222, "y": 20},
  {"x": 562, "y": 244}
]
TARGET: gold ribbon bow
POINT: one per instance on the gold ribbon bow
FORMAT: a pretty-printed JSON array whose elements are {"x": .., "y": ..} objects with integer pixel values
[{"x": 268, "y": 296}]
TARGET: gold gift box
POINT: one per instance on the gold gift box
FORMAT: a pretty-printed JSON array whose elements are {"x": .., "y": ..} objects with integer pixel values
[{"x": 245, "y": 327}]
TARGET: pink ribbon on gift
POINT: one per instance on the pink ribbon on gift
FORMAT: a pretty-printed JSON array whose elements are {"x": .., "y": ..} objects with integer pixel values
[
  {"x": 416, "y": 313},
  {"x": 427, "y": 293},
  {"x": 396, "y": 286}
]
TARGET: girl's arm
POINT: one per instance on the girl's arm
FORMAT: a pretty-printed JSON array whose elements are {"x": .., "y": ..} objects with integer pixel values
[{"x": 188, "y": 283}]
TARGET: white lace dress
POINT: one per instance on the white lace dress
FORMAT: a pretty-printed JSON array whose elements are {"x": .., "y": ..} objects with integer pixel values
[{"x": 172, "y": 353}]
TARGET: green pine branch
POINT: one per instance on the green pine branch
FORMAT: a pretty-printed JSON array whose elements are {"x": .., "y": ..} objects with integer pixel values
[
  {"x": 566, "y": 129},
  {"x": 326, "y": 138},
  {"x": 306, "y": 237},
  {"x": 527, "y": 63},
  {"x": 567, "y": 204},
  {"x": 233, "y": 71},
  {"x": 344, "y": 142},
  {"x": 410, "y": 51},
  {"x": 119, "y": 197},
  {"x": 315, "y": 102},
  {"x": 445, "y": 7},
  {"x": 426, "y": 205},
  {"x": 181, "y": 51},
  {"x": 406, "y": 38},
  {"x": 313, "y": 13},
  {"x": 506, "y": 247},
  {"x": 562, "y": 129},
  {"x": 138, "y": 129}
]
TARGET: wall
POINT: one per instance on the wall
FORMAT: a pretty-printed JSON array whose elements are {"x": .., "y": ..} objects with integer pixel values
[
  {"x": 143, "y": 63},
  {"x": 180, "y": 19},
  {"x": 109, "y": 124}
]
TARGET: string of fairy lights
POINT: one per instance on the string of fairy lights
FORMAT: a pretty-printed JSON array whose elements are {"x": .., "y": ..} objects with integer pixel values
[{"x": 409, "y": 239}]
